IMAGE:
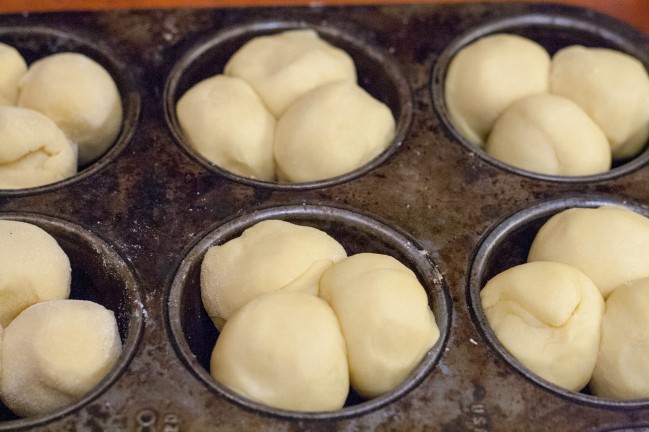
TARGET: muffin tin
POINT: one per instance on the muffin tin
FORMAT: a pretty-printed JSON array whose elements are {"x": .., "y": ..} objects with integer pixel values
[{"x": 137, "y": 222}]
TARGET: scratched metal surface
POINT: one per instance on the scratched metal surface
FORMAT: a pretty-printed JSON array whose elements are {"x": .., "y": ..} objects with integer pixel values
[{"x": 151, "y": 201}]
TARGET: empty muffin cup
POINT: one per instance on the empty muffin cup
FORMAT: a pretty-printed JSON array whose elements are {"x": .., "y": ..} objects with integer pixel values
[
  {"x": 377, "y": 73},
  {"x": 194, "y": 333}
]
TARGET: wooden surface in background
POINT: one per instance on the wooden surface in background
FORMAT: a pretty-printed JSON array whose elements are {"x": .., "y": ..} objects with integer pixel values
[{"x": 635, "y": 12}]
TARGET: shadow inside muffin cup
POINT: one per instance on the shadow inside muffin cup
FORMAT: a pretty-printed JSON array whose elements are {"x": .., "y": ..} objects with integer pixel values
[
  {"x": 195, "y": 335},
  {"x": 37, "y": 42},
  {"x": 553, "y": 32},
  {"x": 100, "y": 275},
  {"x": 507, "y": 245},
  {"x": 377, "y": 73}
]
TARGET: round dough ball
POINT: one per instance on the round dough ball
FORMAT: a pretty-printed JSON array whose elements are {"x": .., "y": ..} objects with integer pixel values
[
  {"x": 284, "y": 66},
  {"x": 271, "y": 255},
  {"x": 34, "y": 268},
  {"x": 331, "y": 131},
  {"x": 224, "y": 120},
  {"x": 550, "y": 135},
  {"x": 54, "y": 353},
  {"x": 285, "y": 350},
  {"x": 80, "y": 96},
  {"x": 33, "y": 150},
  {"x": 609, "y": 244},
  {"x": 613, "y": 89},
  {"x": 548, "y": 316},
  {"x": 385, "y": 318},
  {"x": 486, "y": 76},
  {"x": 12, "y": 69}
]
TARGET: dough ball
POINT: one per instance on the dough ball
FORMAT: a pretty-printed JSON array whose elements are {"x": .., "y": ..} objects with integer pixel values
[
  {"x": 486, "y": 76},
  {"x": 385, "y": 318},
  {"x": 622, "y": 370},
  {"x": 609, "y": 244},
  {"x": 12, "y": 69},
  {"x": 331, "y": 131},
  {"x": 550, "y": 135},
  {"x": 33, "y": 150},
  {"x": 80, "y": 96},
  {"x": 613, "y": 89},
  {"x": 271, "y": 255},
  {"x": 284, "y": 66},
  {"x": 33, "y": 268},
  {"x": 285, "y": 350},
  {"x": 548, "y": 316},
  {"x": 54, "y": 353},
  {"x": 224, "y": 120}
]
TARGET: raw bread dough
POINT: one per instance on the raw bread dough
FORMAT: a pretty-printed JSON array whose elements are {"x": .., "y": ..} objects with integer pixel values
[
  {"x": 612, "y": 87},
  {"x": 609, "y": 244},
  {"x": 486, "y": 76},
  {"x": 622, "y": 370},
  {"x": 548, "y": 316},
  {"x": 224, "y": 120},
  {"x": 12, "y": 69},
  {"x": 80, "y": 96},
  {"x": 549, "y": 134},
  {"x": 284, "y": 66},
  {"x": 385, "y": 318},
  {"x": 271, "y": 255},
  {"x": 284, "y": 349},
  {"x": 330, "y": 131},
  {"x": 33, "y": 150},
  {"x": 33, "y": 268},
  {"x": 54, "y": 353}
]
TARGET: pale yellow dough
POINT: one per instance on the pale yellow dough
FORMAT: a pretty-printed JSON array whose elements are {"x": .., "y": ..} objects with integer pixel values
[
  {"x": 271, "y": 255},
  {"x": 80, "y": 96},
  {"x": 284, "y": 66},
  {"x": 609, "y": 244},
  {"x": 622, "y": 370},
  {"x": 54, "y": 353},
  {"x": 385, "y": 318},
  {"x": 33, "y": 268},
  {"x": 285, "y": 350},
  {"x": 33, "y": 150},
  {"x": 486, "y": 76},
  {"x": 12, "y": 69},
  {"x": 549, "y": 134},
  {"x": 330, "y": 131},
  {"x": 547, "y": 315},
  {"x": 224, "y": 120},
  {"x": 612, "y": 87}
]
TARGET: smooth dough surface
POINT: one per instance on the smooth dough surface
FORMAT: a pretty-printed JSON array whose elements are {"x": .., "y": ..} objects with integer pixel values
[
  {"x": 33, "y": 150},
  {"x": 224, "y": 120},
  {"x": 612, "y": 87},
  {"x": 80, "y": 96},
  {"x": 549, "y": 134},
  {"x": 548, "y": 316},
  {"x": 486, "y": 76},
  {"x": 385, "y": 318},
  {"x": 330, "y": 131},
  {"x": 609, "y": 244},
  {"x": 54, "y": 353},
  {"x": 622, "y": 370},
  {"x": 271, "y": 255},
  {"x": 284, "y": 66},
  {"x": 33, "y": 268},
  {"x": 285, "y": 350},
  {"x": 12, "y": 69}
]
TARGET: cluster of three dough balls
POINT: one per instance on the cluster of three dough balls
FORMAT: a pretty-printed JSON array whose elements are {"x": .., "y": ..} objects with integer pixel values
[
  {"x": 570, "y": 115},
  {"x": 64, "y": 111},
  {"x": 287, "y": 108},
  {"x": 54, "y": 350},
  {"x": 578, "y": 311},
  {"x": 299, "y": 319}
]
